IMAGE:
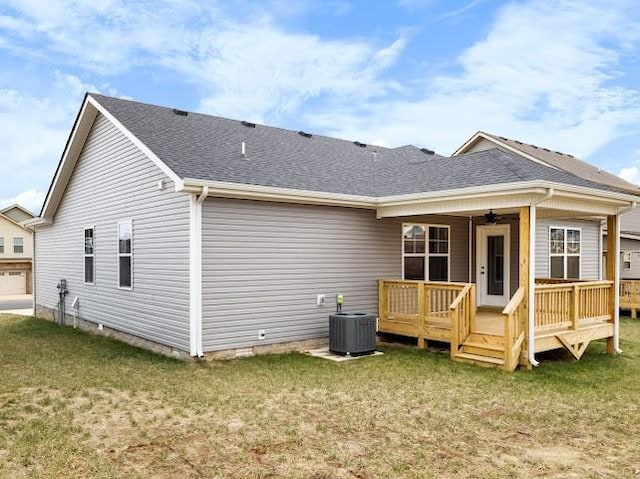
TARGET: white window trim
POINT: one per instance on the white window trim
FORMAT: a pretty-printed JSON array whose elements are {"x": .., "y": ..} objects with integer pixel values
[
  {"x": 426, "y": 253},
  {"x": 119, "y": 255},
  {"x": 13, "y": 244},
  {"x": 624, "y": 260},
  {"x": 85, "y": 255},
  {"x": 565, "y": 255}
]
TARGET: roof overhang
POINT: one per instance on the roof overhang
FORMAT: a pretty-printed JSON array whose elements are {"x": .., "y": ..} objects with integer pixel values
[
  {"x": 75, "y": 143},
  {"x": 587, "y": 201}
]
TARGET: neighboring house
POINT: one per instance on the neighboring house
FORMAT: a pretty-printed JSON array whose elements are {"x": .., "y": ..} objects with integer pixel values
[
  {"x": 16, "y": 247},
  {"x": 193, "y": 234},
  {"x": 629, "y": 221},
  {"x": 629, "y": 245}
]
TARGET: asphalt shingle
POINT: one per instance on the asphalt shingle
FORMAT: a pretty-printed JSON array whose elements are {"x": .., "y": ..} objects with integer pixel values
[{"x": 207, "y": 147}]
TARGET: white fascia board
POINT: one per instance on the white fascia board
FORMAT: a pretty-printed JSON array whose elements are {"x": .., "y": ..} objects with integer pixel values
[
  {"x": 134, "y": 139},
  {"x": 33, "y": 222},
  {"x": 536, "y": 187},
  {"x": 270, "y": 193},
  {"x": 69, "y": 158}
]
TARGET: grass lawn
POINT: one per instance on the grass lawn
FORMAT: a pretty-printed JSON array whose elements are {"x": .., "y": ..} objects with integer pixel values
[{"x": 75, "y": 405}]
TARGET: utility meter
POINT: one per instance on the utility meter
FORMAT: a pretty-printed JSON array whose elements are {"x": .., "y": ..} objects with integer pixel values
[{"x": 339, "y": 302}]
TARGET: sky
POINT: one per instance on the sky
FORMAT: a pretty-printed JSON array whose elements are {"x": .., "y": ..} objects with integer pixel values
[{"x": 561, "y": 74}]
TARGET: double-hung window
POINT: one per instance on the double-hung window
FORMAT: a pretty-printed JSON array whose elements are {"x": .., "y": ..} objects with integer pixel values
[
  {"x": 89, "y": 256},
  {"x": 1, "y": 245},
  {"x": 564, "y": 253},
  {"x": 125, "y": 255},
  {"x": 426, "y": 252},
  {"x": 18, "y": 245}
]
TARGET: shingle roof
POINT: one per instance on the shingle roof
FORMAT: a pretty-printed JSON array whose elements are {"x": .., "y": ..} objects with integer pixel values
[
  {"x": 569, "y": 163},
  {"x": 207, "y": 147}
]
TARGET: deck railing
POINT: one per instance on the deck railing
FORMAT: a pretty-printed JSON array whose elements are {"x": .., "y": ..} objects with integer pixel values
[
  {"x": 566, "y": 305},
  {"x": 630, "y": 295},
  {"x": 462, "y": 312},
  {"x": 515, "y": 328},
  {"x": 411, "y": 307}
]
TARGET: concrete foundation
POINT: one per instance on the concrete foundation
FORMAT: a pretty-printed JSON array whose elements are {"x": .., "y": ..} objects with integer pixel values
[{"x": 49, "y": 314}]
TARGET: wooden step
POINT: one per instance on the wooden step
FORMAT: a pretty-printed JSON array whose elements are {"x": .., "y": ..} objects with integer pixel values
[
  {"x": 483, "y": 349},
  {"x": 477, "y": 359},
  {"x": 482, "y": 338}
]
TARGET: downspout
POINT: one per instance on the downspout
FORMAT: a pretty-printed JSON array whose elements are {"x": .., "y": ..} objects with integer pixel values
[
  {"x": 616, "y": 279},
  {"x": 531, "y": 310},
  {"x": 33, "y": 269},
  {"x": 470, "y": 245},
  {"x": 199, "y": 202}
]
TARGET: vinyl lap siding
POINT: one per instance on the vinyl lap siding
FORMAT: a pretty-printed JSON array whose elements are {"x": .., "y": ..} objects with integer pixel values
[
  {"x": 265, "y": 263},
  {"x": 113, "y": 181},
  {"x": 590, "y": 253}
]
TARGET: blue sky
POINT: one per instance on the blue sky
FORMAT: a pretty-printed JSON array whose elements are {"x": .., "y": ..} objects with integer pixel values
[{"x": 563, "y": 74}]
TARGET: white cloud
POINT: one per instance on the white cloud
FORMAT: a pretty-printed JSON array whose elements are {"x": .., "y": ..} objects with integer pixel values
[
  {"x": 631, "y": 174},
  {"x": 30, "y": 199},
  {"x": 242, "y": 67},
  {"x": 33, "y": 132},
  {"x": 544, "y": 73}
]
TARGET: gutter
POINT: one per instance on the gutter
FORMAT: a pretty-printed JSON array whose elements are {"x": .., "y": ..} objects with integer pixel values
[
  {"x": 531, "y": 310},
  {"x": 616, "y": 281}
]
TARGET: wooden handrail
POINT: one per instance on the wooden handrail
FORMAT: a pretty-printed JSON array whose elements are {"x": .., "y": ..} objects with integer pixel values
[
  {"x": 584, "y": 284},
  {"x": 460, "y": 297},
  {"x": 514, "y": 329},
  {"x": 514, "y": 302}
]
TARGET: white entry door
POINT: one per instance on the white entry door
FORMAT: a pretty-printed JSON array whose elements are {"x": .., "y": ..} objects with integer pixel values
[{"x": 492, "y": 265}]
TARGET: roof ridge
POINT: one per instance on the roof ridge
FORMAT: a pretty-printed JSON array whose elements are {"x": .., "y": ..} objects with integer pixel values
[{"x": 262, "y": 125}]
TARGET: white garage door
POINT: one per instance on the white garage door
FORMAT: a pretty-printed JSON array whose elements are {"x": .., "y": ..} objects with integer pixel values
[{"x": 13, "y": 282}]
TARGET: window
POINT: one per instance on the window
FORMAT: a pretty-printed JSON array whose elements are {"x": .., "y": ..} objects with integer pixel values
[
  {"x": 1, "y": 245},
  {"x": 89, "y": 256},
  {"x": 18, "y": 245},
  {"x": 426, "y": 252},
  {"x": 125, "y": 248},
  {"x": 564, "y": 253},
  {"x": 626, "y": 260}
]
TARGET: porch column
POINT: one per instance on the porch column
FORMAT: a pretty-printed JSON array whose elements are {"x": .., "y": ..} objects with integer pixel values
[
  {"x": 525, "y": 275},
  {"x": 613, "y": 274}
]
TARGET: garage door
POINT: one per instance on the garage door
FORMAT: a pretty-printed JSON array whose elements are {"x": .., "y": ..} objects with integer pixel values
[{"x": 13, "y": 282}]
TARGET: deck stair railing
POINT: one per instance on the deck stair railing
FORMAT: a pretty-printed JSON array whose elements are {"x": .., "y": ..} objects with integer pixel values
[
  {"x": 462, "y": 312},
  {"x": 515, "y": 328}
]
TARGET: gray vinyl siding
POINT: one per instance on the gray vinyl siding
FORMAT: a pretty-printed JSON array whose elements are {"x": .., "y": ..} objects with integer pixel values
[
  {"x": 590, "y": 253},
  {"x": 114, "y": 181},
  {"x": 631, "y": 246},
  {"x": 265, "y": 263}
]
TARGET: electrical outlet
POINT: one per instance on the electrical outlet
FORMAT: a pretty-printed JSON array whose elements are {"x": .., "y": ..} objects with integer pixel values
[
  {"x": 321, "y": 300},
  {"x": 262, "y": 334}
]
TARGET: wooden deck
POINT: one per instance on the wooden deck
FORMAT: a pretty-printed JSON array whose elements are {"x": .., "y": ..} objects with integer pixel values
[{"x": 568, "y": 315}]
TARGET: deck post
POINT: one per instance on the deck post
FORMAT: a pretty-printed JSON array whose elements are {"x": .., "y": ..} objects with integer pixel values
[
  {"x": 524, "y": 275},
  {"x": 613, "y": 274},
  {"x": 422, "y": 314}
]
